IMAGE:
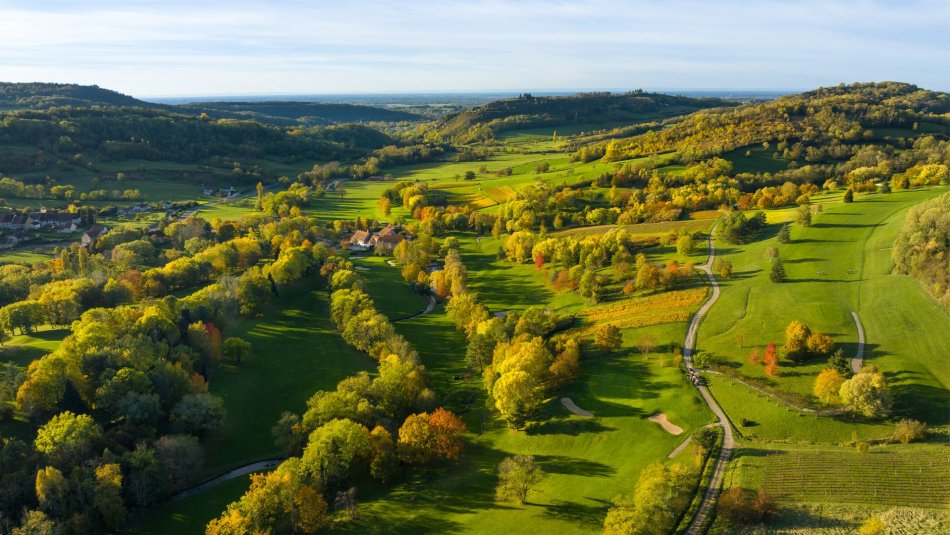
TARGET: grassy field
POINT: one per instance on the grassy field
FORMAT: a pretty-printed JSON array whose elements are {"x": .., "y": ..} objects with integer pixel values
[
  {"x": 588, "y": 461},
  {"x": 850, "y": 245},
  {"x": 296, "y": 351},
  {"x": 191, "y": 514}
]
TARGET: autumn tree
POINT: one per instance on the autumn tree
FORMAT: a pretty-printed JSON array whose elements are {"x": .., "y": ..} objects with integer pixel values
[
  {"x": 608, "y": 337},
  {"x": 724, "y": 268},
  {"x": 770, "y": 359},
  {"x": 828, "y": 386},
  {"x": 803, "y": 215},
  {"x": 426, "y": 437},
  {"x": 517, "y": 477},
  {"x": 518, "y": 396},
  {"x": 796, "y": 337},
  {"x": 907, "y": 431},
  {"x": 866, "y": 393},
  {"x": 661, "y": 494}
]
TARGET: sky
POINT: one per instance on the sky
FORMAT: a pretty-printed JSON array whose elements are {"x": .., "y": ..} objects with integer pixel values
[{"x": 197, "y": 48}]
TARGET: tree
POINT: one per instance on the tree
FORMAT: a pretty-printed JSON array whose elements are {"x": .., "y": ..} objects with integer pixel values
[
  {"x": 68, "y": 439},
  {"x": 517, "y": 396},
  {"x": 803, "y": 216},
  {"x": 770, "y": 359},
  {"x": 470, "y": 175},
  {"x": 591, "y": 286},
  {"x": 796, "y": 337},
  {"x": 333, "y": 450},
  {"x": 838, "y": 361},
  {"x": 608, "y": 337},
  {"x": 424, "y": 437},
  {"x": 259, "y": 204},
  {"x": 785, "y": 234},
  {"x": 724, "y": 267},
  {"x": 662, "y": 492},
  {"x": 179, "y": 457},
  {"x": 685, "y": 245},
  {"x": 849, "y": 196},
  {"x": 198, "y": 413},
  {"x": 828, "y": 386},
  {"x": 236, "y": 349},
  {"x": 385, "y": 461},
  {"x": 107, "y": 498},
  {"x": 517, "y": 477},
  {"x": 742, "y": 506},
  {"x": 866, "y": 393},
  {"x": 908, "y": 431},
  {"x": 777, "y": 272}
]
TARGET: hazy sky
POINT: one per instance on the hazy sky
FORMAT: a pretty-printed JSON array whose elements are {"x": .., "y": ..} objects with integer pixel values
[{"x": 148, "y": 48}]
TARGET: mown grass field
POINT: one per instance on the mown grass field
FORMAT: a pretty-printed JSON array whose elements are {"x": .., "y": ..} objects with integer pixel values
[
  {"x": 588, "y": 461},
  {"x": 850, "y": 244},
  {"x": 296, "y": 351}
]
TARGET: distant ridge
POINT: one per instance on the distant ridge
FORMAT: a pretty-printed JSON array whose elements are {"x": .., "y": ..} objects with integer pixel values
[{"x": 41, "y": 96}]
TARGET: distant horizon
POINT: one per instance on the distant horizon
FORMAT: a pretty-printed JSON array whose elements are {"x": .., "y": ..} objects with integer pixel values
[{"x": 179, "y": 48}]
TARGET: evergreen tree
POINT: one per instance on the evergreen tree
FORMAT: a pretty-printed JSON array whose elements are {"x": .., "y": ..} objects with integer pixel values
[
  {"x": 784, "y": 234},
  {"x": 849, "y": 195},
  {"x": 777, "y": 274}
]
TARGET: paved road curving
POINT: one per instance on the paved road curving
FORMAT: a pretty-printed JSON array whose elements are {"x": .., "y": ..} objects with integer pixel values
[
  {"x": 728, "y": 444},
  {"x": 258, "y": 466},
  {"x": 858, "y": 361},
  {"x": 429, "y": 306}
]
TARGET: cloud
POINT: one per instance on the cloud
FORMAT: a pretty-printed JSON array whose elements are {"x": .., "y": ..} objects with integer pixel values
[{"x": 171, "y": 48}]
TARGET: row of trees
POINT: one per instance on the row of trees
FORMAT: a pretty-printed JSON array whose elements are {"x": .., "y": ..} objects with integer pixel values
[{"x": 374, "y": 425}]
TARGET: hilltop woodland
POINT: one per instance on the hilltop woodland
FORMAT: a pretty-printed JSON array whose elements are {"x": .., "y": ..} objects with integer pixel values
[{"x": 115, "y": 418}]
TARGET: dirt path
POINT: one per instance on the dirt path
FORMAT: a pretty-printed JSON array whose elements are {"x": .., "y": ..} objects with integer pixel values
[
  {"x": 679, "y": 448},
  {"x": 258, "y": 466},
  {"x": 858, "y": 361},
  {"x": 705, "y": 512},
  {"x": 429, "y": 306},
  {"x": 571, "y": 406},
  {"x": 666, "y": 424}
]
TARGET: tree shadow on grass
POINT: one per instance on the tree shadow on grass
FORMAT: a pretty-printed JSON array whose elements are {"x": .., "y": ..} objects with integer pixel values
[
  {"x": 590, "y": 517},
  {"x": 560, "y": 464},
  {"x": 845, "y": 225},
  {"x": 568, "y": 426}
]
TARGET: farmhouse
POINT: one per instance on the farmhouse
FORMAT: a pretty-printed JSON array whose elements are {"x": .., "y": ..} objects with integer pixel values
[
  {"x": 385, "y": 240},
  {"x": 15, "y": 221},
  {"x": 90, "y": 236},
  {"x": 55, "y": 220}
]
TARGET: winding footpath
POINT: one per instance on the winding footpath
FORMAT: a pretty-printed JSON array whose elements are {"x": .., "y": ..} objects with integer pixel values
[
  {"x": 728, "y": 443},
  {"x": 858, "y": 361},
  {"x": 258, "y": 466}
]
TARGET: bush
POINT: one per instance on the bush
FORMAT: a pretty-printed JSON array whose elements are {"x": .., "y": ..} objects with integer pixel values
[
  {"x": 908, "y": 431},
  {"x": 742, "y": 506}
]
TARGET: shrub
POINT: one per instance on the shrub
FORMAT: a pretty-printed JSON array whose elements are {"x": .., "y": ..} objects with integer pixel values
[{"x": 908, "y": 431}]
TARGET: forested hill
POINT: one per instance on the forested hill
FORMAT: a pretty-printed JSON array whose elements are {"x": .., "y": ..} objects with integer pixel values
[
  {"x": 527, "y": 111},
  {"x": 812, "y": 127},
  {"x": 41, "y": 96},
  {"x": 33, "y": 140},
  {"x": 288, "y": 113},
  {"x": 37, "y": 96}
]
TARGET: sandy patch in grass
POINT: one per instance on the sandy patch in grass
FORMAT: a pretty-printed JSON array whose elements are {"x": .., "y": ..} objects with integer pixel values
[{"x": 664, "y": 422}]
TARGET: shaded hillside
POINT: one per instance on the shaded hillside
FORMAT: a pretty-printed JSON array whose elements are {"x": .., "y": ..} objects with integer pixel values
[
  {"x": 815, "y": 126},
  {"x": 288, "y": 113},
  {"x": 33, "y": 140},
  {"x": 37, "y": 96},
  {"x": 527, "y": 111}
]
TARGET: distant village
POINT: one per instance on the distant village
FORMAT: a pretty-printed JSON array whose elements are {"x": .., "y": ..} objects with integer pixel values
[{"x": 382, "y": 241}]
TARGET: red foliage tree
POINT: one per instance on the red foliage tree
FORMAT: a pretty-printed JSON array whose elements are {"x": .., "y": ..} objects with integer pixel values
[{"x": 771, "y": 360}]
